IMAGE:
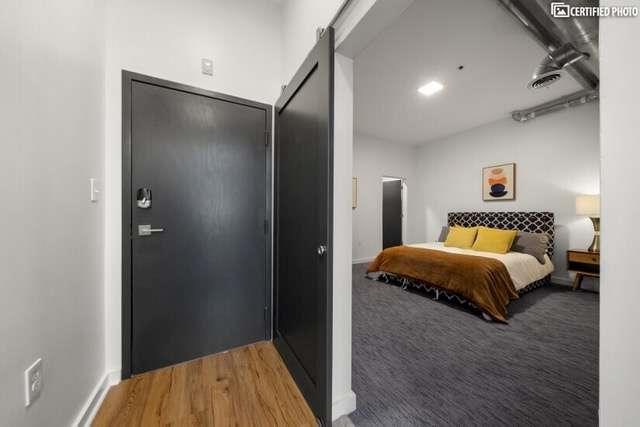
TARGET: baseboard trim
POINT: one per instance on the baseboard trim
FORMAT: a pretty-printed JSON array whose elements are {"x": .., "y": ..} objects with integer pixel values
[
  {"x": 343, "y": 405},
  {"x": 362, "y": 260},
  {"x": 91, "y": 406}
]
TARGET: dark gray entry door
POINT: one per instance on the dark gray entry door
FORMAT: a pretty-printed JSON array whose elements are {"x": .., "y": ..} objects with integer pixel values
[
  {"x": 391, "y": 213},
  {"x": 199, "y": 281},
  {"x": 303, "y": 221}
]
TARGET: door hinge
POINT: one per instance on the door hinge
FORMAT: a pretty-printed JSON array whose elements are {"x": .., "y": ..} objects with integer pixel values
[
  {"x": 266, "y": 226},
  {"x": 267, "y": 138}
]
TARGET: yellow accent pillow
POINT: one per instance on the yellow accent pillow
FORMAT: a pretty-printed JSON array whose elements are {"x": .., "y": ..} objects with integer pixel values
[
  {"x": 461, "y": 237},
  {"x": 494, "y": 240}
]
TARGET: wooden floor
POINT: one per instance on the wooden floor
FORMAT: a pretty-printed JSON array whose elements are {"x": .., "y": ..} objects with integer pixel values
[{"x": 248, "y": 386}]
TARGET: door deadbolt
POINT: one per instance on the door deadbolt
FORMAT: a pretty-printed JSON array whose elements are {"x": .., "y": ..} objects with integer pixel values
[
  {"x": 322, "y": 249},
  {"x": 143, "y": 198}
]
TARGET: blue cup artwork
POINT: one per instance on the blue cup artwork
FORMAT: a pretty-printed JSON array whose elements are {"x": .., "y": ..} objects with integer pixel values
[{"x": 498, "y": 190}]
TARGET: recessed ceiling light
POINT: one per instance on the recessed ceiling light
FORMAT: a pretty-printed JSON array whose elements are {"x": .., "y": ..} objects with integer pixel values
[{"x": 431, "y": 88}]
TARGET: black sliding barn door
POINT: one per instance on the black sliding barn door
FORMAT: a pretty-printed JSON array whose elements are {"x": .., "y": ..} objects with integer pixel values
[
  {"x": 303, "y": 221},
  {"x": 391, "y": 213},
  {"x": 195, "y": 201}
]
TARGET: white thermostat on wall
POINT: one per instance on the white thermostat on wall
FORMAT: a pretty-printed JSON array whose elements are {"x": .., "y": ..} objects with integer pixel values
[{"x": 207, "y": 66}]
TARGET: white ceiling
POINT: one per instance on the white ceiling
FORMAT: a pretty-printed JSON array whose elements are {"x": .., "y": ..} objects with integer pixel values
[{"x": 428, "y": 42}]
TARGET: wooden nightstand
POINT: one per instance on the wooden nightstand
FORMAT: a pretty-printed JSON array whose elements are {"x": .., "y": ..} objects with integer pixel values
[{"x": 583, "y": 263}]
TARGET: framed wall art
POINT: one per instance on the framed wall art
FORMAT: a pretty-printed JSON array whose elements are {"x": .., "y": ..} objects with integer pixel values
[{"x": 499, "y": 182}]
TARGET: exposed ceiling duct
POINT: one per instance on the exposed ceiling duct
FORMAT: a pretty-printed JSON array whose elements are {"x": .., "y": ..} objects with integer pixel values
[
  {"x": 550, "y": 69},
  {"x": 572, "y": 47},
  {"x": 578, "y": 98}
]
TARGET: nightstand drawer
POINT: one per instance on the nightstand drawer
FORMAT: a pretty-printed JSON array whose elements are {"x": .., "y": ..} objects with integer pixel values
[
  {"x": 583, "y": 263},
  {"x": 584, "y": 258}
]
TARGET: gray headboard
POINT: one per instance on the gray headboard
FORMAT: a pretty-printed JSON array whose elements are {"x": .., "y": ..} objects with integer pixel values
[{"x": 533, "y": 222}]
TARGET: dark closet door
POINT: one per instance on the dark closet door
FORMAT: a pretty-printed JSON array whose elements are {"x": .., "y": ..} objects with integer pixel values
[
  {"x": 199, "y": 276},
  {"x": 303, "y": 220},
  {"x": 391, "y": 213}
]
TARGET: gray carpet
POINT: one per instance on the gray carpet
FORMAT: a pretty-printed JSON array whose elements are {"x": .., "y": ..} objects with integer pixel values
[{"x": 422, "y": 362}]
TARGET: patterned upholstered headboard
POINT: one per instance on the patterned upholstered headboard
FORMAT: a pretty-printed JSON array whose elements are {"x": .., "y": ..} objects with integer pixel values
[{"x": 533, "y": 222}]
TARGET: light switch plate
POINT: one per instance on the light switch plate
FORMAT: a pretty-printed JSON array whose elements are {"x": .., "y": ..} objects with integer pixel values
[
  {"x": 95, "y": 192},
  {"x": 33, "y": 382},
  {"x": 207, "y": 66}
]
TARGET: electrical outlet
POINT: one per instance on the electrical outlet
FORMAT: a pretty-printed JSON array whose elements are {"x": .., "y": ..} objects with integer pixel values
[{"x": 33, "y": 382}]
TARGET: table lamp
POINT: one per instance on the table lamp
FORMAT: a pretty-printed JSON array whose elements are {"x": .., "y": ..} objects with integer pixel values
[{"x": 589, "y": 205}]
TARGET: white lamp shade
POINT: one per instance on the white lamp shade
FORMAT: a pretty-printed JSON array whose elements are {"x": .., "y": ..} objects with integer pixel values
[{"x": 588, "y": 205}]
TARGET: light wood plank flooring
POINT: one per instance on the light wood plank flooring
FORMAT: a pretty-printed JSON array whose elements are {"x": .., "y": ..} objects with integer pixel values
[{"x": 248, "y": 386}]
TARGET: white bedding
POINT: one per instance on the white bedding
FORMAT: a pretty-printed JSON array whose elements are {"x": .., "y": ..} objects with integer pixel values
[{"x": 524, "y": 269}]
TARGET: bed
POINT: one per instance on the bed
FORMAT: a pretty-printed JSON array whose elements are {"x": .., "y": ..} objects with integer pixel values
[{"x": 483, "y": 280}]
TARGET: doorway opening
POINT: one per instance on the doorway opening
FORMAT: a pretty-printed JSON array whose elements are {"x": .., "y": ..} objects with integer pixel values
[
  {"x": 420, "y": 114},
  {"x": 394, "y": 211}
]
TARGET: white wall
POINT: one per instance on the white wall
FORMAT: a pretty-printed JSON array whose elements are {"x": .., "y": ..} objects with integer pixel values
[
  {"x": 620, "y": 290},
  {"x": 167, "y": 39},
  {"x": 556, "y": 156},
  {"x": 51, "y": 257},
  {"x": 301, "y": 18},
  {"x": 372, "y": 159},
  {"x": 344, "y": 400}
]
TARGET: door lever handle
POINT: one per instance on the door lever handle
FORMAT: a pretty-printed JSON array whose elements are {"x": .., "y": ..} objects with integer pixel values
[{"x": 146, "y": 230}]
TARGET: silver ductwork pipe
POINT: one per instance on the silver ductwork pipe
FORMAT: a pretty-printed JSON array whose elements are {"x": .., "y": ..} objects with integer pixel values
[
  {"x": 554, "y": 33},
  {"x": 575, "y": 99},
  {"x": 552, "y": 65},
  {"x": 571, "y": 44}
]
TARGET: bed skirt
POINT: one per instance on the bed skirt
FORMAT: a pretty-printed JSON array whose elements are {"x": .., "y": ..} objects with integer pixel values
[{"x": 406, "y": 283}]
